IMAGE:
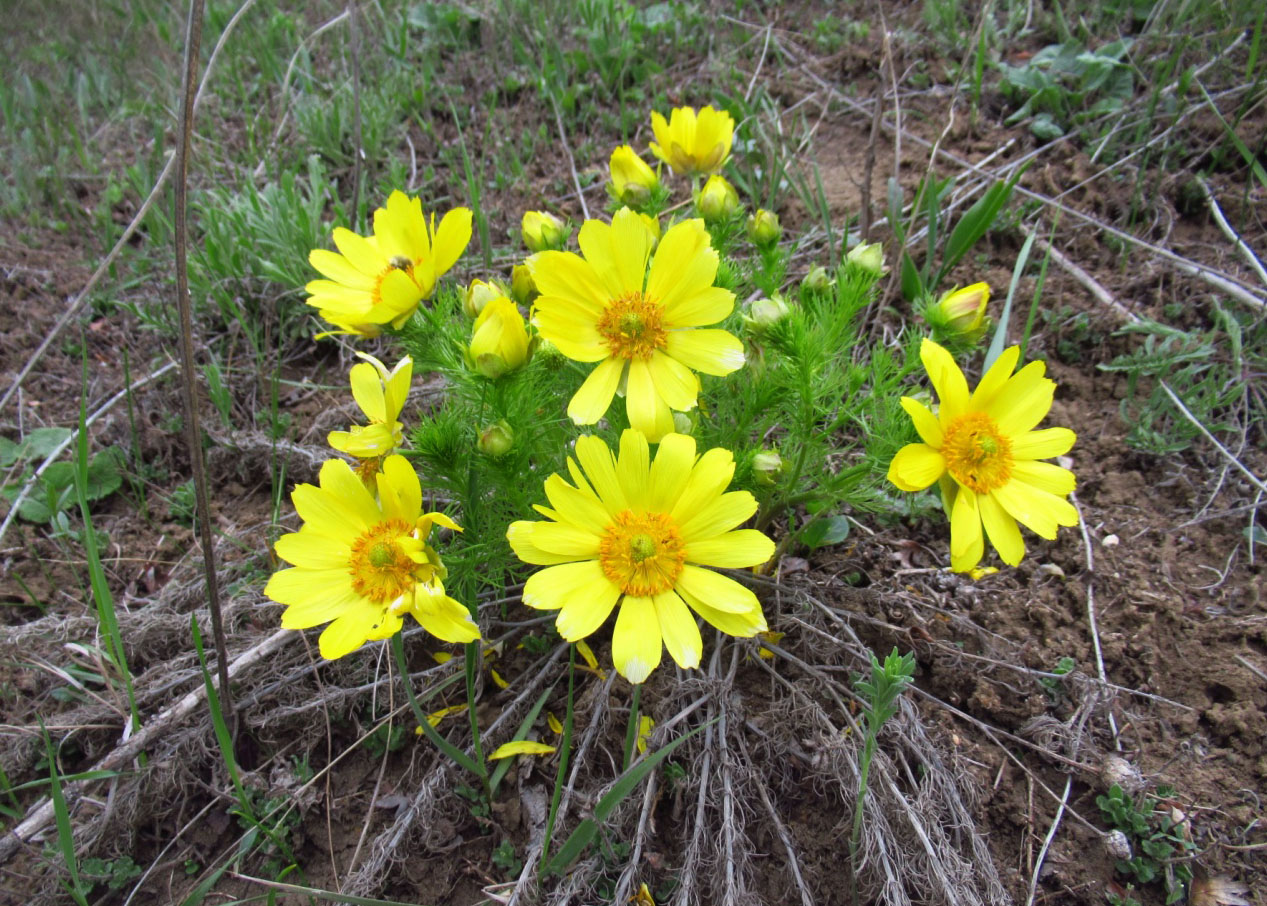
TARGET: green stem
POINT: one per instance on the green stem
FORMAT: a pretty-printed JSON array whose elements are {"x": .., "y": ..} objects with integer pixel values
[
  {"x": 631, "y": 731},
  {"x": 855, "y": 837},
  {"x": 473, "y": 654}
]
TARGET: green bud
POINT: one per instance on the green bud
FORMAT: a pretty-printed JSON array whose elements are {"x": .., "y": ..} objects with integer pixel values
[
  {"x": 816, "y": 280},
  {"x": 767, "y": 466},
  {"x": 718, "y": 200},
  {"x": 496, "y": 440},
  {"x": 868, "y": 256},
  {"x": 764, "y": 229}
]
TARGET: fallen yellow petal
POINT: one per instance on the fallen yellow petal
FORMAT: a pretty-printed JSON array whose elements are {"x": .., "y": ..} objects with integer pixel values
[
  {"x": 442, "y": 657},
  {"x": 521, "y": 747},
  {"x": 587, "y": 654},
  {"x": 497, "y": 678},
  {"x": 554, "y": 723}
]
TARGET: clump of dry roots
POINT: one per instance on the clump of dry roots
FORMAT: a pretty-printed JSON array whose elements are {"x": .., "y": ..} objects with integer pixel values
[{"x": 760, "y": 812}]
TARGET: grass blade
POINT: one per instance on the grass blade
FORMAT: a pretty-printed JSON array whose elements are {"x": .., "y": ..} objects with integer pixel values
[
  {"x": 999, "y": 341},
  {"x": 459, "y": 757}
]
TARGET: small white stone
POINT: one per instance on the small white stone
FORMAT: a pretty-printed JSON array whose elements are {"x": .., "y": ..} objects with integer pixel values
[
  {"x": 1117, "y": 845},
  {"x": 1051, "y": 569},
  {"x": 1111, "y": 541}
]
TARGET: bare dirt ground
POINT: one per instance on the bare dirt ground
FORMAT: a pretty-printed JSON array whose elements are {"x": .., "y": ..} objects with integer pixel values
[{"x": 992, "y": 768}]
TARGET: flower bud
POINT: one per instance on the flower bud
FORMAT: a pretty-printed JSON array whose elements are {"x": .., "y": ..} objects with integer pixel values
[
  {"x": 683, "y": 422},
  {"x": 523, "y": 289},
  {"x": 764, "y": 229},
  {"x": 479, "y": 294},
  {"x": 767, "y": 466},
  {"x": 632, "y": 180},
  {"x": 500, "y": 340},
  {"x": 542, "y": 231},
  {"x": 718, "y": 200},
  {"x": 765, "y": 313},
  {"x": 653, "y": 227},
  {"x": 816, "y": 280},
  {"x": 960, "y": 313},
  {"x": 496, "y": 440},
  {"x": 868, "y": 256}
]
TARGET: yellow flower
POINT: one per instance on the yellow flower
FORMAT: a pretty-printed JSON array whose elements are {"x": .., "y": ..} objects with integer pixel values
[
  {"x": 542, "y": 230},
  {"x": 381, "y": 395},
  {"x": 500, "y": 340},
  {"x": 638, "y": 532},
  {"x": 718, "y": 200},
  {"x": 364, "y": 564},
  {"x": 693, "y": 144},
  {"x": 381, "y": 280},
  {"x": 637, "y": 316},
  {"x": 983, "y": 451},
  {"x": 632, "y": 180}
]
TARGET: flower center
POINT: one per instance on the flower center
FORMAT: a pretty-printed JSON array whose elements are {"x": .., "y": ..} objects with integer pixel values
[
  {"x": 395, "y": 263},
  {"x": 381, "y": 568},
  {"x": 642, "y": 553},
  {"x": 977, "y": 454},
  {"x": 633, "y": 327}
]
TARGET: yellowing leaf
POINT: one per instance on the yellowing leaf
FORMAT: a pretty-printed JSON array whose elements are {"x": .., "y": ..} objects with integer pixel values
[
  {"x": 554, "y": 723},
  {"x": 521, "y": 747}
]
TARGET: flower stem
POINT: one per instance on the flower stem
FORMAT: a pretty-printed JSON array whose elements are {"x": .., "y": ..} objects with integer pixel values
[
  {"x": 631, "y": 732},
  {"x": 564, "y": 751}
]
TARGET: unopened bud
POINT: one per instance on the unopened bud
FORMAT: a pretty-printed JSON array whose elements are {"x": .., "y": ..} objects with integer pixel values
[
  {"x": 960, "y": 313},
  {"x": 683, "y": 422},
  {"x": 767, "y": 466},
  {"x": 765, "y": 313},
  {"x": 816, "y": 280},
  {"x": 718, "y": 200},
  {"x": 542, "y": 231},
  {"x": 479, "y": 294},
  {"x": 868, "y": 256},
  {"x": 632, "y": 181},
  {"x": 764, "y": 229},
  {"x": 523, "y": 289},
  {"x": 496, "y": 440}
]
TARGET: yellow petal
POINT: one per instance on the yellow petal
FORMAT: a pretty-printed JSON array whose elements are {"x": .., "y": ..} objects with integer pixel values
[
  {"x": 701, "y": 308},
  {"x": 340, "y": 270},
  {"x": 1024, "y": 401},
  {"x": 596, "y": 458},
  {"x": 677, "y": 625},
  {"x": 717, "y": 591},
  {"x": 675, "y": 383},
  {"x": 313, "y": 551},
  {"x": 740, "y": 625},
  {"x": 360, "y": 253},
  {"x": 521, "y": 747},
  {"x": 587, "y": 654},
  {"x": 995, "y": 379},
  {"x": 967, "y": 543},
  {"x": 715, "y": 352},
  {"x": 643, "y": 404},
  {"x": 670, "y": 471},
  {"x": 565, "y": 540},
  {"x": 351, "y": 629},
  {"x": 1045, "y": 477},
  {"x": 636, "y": 642},
  {"x": 568, "y": 276},
  {"x": 734, "y": 550},
  {"x": 633, "y": 467},
  {"x": 708, "y": 479},
  {"x": 684, "y": 266},
  {"x": 926, "y": 423},
  {"x": 451, "y": 239},
  {"x": 314, "y": 596},
  {"x": 948, "y": 381},
  {"x": 915, "y": 467},
  {"x": 551, "y": 588},
  {"x": 1001, "y": 530},
  {"x": 399, "y": 491},
  {"x": 553, "y": 723},
  {"x": 591, "y": 401},
  {"x": 588, "y": 608},
  {"x": 721, "y": 515},
  {"x": 1043, "y": 444},
  {"x": 498, "y": 681},
  {"x": 1038, "y": 511},
  {"x": 445, "y": 618},
  {"x": 581, "y": 509}
]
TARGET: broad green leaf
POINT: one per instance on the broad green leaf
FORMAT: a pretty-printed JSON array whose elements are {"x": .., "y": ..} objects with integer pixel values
[
  {"x": 41, "y": 442},
  {"x": 825, "y": 531}
]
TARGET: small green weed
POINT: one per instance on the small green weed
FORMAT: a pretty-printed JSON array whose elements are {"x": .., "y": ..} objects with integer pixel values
[
  {"x": 113, "y": 873},
  {"x": 505, "y": 858},
  {"x": 1064, "y": 85},
  {"x": 1162, "y": 849}
]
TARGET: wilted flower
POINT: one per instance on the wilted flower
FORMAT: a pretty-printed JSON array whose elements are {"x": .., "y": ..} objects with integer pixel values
[
  {"x": 764, "y": 228},
  {"x": 542, "y": 230},
  {"x": 381, "y": 395},
  {"x": 632, "y": 181},
  {"x": 718, "y": 200},
  {"x": 693, "y": 144},
  {"x": 868, "y": 256}
]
